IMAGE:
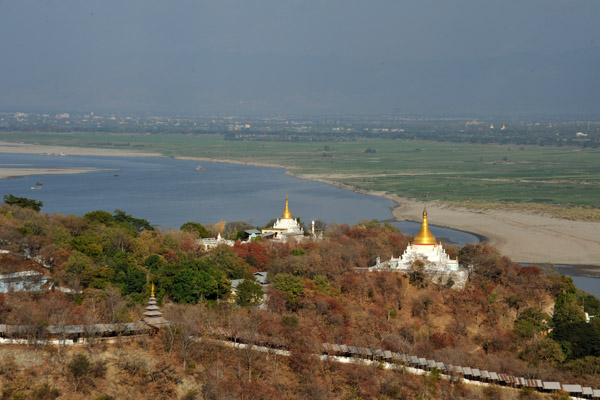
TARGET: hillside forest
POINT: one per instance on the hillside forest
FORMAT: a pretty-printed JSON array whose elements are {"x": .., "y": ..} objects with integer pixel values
[{"x": 520, "y": 320}]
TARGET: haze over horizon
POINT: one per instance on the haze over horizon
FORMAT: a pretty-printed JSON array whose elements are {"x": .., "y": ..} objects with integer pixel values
[{"x": 301, "y": 56}]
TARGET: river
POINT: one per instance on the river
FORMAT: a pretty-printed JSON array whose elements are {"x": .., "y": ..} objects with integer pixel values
[{"x": 169, "y": 192}]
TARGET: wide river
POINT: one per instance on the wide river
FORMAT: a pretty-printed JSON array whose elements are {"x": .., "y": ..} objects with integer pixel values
[{"x": 169, "y": 192}]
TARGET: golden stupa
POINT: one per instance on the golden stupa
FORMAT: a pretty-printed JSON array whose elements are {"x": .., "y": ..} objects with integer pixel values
[
  {"x": 286, "y": 213},
  {"x": 424, "y": 236}
]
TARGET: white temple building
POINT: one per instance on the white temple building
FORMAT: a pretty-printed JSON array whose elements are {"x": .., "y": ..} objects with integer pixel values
[
  {"x": 209, "y": 243},
  {"x": 286, "y": 227},
  {"x": 425, "y": 248}
]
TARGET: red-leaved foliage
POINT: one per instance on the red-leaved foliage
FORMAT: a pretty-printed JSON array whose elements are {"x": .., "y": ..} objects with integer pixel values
[{"x": 255, "y": 254}]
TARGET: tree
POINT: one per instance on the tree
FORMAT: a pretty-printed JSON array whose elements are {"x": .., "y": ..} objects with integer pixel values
[
  {"x": 483, "y": 258},
  {"x": 23, "y": 202},
  {"x": 248, "y": 293},
  {"x": 82, "y": 370},
  {"x": 591, "y": 303},
  {"x": 126, "y": 274},
  {"x": 568, "y": 312},
  {"x": 578, "y": 339},
  {"x": 196, "y": 228},
  {"x": 99, "y": 216},
  {"x": 137, "y": 223},
  {"x": 78, "y": 264},
  {"x": 236, "y": 229},
  {"x": 417, "y": 276},
  {"x": 79, "y": 369},
  {"x": 225, "y": 259},
  {"x": 546, "y": 350},
  {"x": 154, "y": 263},
  {"x": 292, "y": 286},
  {"x": 531, "y": 322},
  {"x": 255, "y": 254},
  {"x": 189, "y": 285}
]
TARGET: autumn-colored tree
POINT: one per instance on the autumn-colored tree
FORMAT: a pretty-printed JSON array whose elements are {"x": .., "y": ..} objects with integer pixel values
[
  {"x": 225, "y": 259},
  {"x": 255, "y": 254}
]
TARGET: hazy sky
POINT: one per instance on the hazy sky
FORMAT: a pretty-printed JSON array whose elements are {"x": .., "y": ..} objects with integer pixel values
[{"x": 301, "y": 56}]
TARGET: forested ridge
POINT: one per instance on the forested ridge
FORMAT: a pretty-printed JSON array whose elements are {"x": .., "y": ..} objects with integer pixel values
[{"x": 521, "y": 320}]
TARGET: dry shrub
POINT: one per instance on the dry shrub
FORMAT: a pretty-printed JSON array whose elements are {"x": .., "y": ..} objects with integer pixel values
[{"x": 442, "y": 340}]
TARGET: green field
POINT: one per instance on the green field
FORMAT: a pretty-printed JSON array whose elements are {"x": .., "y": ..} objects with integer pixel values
[{"x": 557, "y": 178}]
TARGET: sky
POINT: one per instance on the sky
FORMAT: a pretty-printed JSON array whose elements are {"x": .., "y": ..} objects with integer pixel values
[{"x": 201, "y": 57}]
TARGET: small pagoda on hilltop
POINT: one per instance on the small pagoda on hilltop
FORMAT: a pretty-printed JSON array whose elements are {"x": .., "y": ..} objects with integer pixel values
[
  {"x": 152, "y": 316},
  {"x": 424, "y": 248},
  {"x": 285, "y": 228}
]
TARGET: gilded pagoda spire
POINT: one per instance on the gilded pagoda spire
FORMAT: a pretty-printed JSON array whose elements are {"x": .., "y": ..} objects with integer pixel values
[
  {"x": 286, "y": 213},
  {"x": 424, "y": 236}
]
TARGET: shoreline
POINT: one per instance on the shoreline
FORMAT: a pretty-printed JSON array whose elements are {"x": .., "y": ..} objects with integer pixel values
[
  {"x": 530, "y": 238},
  {"x": 14, "y": 173},
  {"x": 527, "y": 237}
]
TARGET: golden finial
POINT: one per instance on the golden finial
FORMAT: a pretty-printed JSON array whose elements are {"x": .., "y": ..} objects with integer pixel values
[
  {"x": 424, "y": 236},
  {"x": 286, "y": 213},
  {"x": 152, "y": 291}
]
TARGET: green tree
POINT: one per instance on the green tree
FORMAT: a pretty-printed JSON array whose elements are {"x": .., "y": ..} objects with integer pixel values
[
  {"x": 588, "y": 365},
  {"x": 568, "y": 312},
  {"x": 322, "y": 285},
  {"x": 154, "y": 263},
  {"x": 546, "y": 350},
  {"x": 224, "y": 258},
  {"x": 196, "y": 228},
  {"x": 99, "y": 216},
  {"x": 138, "y": 224},
  {"x": 531, "y": 322},
  {"x": 248, "y": 293},
  {"x": 590, "y": 303},
  {"x": 23, "y": 202},
  {"x": 126, "y": 274},
  {"x": 88, "y": 244},
  {"x": 292, "y": 286},
  {"x": 578, "y": 339},
  {"x": 197, "y": 280},
  {"x": 78, "y": 263}
]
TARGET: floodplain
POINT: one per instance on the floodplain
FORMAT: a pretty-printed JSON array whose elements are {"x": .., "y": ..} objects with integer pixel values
[{"x": 558, "y": 181}]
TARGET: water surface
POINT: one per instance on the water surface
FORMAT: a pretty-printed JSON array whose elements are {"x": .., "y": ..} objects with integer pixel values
[{"x": 169, "y": 192}]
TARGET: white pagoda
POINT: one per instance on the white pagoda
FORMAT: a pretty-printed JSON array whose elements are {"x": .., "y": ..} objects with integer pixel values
[
  {"x": 424, "y": 248},
  {"x": 286, "y": 227}
]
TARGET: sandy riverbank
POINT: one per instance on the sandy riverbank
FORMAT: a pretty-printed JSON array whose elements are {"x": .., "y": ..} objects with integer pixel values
[
  {"x": 12, "y": 172},
  {"x": 522, "y": 237},
  {"x": 15, "y": 171},
  {"x": 24, "y": 148}
]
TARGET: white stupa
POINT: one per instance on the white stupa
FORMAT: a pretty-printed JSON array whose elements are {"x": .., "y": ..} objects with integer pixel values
[
  {"x": 285, "y": 227},
  {"x": 424, "y": 248}
]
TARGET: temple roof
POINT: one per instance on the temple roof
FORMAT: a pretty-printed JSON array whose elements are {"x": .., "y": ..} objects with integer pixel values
[
  {"x": 286, "y": 213},
  {"x": 424, "y": 236}
]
